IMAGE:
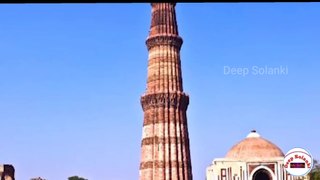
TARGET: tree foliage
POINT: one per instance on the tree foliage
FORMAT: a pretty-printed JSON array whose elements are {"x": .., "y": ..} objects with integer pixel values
[
  {"x": 76, "y": 178},
  {"x": 315, "y": 172}
]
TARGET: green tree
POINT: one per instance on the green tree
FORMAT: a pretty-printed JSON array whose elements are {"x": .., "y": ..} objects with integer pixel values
[
  {"x": 315, "y": 172},
  {"x": 76, "y": 178}
]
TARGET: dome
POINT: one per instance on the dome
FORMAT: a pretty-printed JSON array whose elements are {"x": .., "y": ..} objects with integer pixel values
[{"x": 254, "y": 147}]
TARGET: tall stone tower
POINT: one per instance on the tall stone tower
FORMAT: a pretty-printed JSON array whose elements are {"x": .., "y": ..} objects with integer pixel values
[{"x": 165, "y": 153}]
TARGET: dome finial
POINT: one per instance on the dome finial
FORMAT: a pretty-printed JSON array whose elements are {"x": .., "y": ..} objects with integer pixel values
[{"x": 252, "y": 134}]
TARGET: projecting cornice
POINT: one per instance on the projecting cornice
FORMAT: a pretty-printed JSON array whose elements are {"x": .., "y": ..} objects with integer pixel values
[
  {"x": 175, "y": 41},
  {"x": 177, "y": 100}
]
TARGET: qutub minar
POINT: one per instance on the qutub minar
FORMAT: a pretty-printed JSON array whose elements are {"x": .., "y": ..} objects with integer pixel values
[{"x": 165, "y": 152}]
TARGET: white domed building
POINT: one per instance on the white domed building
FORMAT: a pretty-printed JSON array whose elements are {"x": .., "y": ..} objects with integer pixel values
[{"x": 253, "y": 158}]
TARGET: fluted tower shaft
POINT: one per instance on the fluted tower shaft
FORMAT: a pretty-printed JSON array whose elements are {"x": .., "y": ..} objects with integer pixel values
[{"x": 165, "y": 152}]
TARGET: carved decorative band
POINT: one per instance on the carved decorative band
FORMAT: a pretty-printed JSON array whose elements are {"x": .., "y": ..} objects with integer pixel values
[
  {"x": 176, "y": 100},
  {"x": 175, "y": 41},
  {"x": 161, "y": 164},
  {"x": 158, "y": 140},
  {"x": 157, "y": 120}
]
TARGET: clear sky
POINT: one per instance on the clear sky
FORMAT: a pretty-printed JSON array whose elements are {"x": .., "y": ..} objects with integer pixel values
[{"x": 71, "y": 77}]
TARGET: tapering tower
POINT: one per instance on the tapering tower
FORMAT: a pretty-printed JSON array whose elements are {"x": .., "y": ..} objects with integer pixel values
[{"x": 165, "y": 153}]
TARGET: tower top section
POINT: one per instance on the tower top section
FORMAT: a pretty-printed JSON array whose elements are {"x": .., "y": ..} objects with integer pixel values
[
  {"x": 164, "y": 44},
  {"x": 164, "y": 20}
]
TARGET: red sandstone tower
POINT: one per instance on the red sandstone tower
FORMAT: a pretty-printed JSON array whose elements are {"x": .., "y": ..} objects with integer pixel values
[{"x": 165, "y": 153}]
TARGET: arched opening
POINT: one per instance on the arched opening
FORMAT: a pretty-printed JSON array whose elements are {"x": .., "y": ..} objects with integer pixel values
[{"x": 262, "y": 174}]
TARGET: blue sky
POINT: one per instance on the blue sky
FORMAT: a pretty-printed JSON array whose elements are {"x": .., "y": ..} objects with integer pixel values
[{"x": 72, "y": 76}]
